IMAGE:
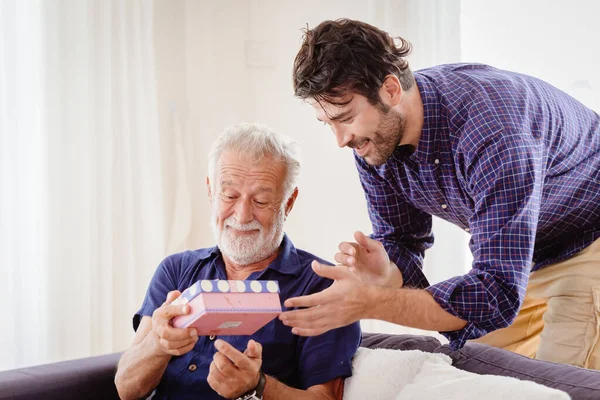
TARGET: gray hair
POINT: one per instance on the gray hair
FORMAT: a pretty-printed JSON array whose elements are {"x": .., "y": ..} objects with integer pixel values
[{"x": 258, "y": 141}]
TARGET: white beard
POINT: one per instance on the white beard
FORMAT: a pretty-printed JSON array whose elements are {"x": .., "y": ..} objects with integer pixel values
[{"x": 250, "y": 248}]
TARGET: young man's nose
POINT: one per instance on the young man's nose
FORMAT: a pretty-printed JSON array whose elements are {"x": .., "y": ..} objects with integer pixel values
[{"x": 342, "y": 136}]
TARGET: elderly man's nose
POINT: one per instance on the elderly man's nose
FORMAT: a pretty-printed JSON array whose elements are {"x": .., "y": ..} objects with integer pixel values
[{"x": 244, "y": 212}]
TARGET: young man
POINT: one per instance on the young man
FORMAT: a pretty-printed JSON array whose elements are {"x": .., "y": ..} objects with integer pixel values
[
  {"x": 504, "y": 156},
  {"x": 252, "y": 188}
]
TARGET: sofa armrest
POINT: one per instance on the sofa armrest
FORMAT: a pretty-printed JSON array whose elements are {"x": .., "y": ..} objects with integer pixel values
[{"x": 86, "y": 378}]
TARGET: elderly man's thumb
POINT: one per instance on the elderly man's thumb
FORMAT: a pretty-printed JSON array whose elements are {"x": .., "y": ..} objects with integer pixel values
[{"x": 253, "y": 350}]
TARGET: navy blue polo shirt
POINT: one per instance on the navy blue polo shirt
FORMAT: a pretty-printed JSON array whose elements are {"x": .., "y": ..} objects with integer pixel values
[{"x": 299, "y": 362}]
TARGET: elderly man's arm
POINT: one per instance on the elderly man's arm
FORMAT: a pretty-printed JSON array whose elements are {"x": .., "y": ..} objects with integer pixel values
[
  {"x": 140, "y": 369},
  {"x": 142, "y": 366},
  {"x": 233, "y": 373}
]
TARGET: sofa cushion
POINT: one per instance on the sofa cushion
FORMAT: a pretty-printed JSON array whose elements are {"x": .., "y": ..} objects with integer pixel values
[
  {"x": 382, "y": 374},
  {"x": 579, "y": 383},
  {"x": 400, "y": 342}
]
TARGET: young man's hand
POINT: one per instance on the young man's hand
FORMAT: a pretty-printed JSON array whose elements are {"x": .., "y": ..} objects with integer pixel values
[
  {"x": 346, "y": 301},
  {"x": 368, "y": 259}
]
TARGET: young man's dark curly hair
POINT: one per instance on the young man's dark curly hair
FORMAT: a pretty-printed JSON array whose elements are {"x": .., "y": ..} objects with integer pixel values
[{"x": 345, "y": 56}]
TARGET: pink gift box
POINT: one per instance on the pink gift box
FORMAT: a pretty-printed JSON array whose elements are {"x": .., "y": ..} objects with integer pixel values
[{"x": 220, "y": 307}]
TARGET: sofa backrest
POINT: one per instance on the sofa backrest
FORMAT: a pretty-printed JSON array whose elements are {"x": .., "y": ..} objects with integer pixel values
[{"x": 579, "y": 383}]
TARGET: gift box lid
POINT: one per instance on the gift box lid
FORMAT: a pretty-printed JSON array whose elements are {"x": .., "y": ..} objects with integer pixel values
[{"x": 225, "y": 286}]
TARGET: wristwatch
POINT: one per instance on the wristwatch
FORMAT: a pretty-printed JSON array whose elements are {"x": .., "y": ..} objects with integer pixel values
[{"x": 257, "y": 392}]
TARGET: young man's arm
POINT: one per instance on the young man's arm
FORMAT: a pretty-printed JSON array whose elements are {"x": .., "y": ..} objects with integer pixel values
[
  {"x": 349, "y": 299},
  {"x": 505, "y": 178}
]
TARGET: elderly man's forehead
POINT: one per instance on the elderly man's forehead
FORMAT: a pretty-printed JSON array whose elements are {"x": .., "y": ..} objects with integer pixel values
[
  {"x": 236, "y": 165},
  {"x": 248, "y": 159},
  {"x": 228, "y": 180}
]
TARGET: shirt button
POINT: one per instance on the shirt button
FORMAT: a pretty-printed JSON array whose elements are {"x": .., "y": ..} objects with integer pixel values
[
  {"x": 437, "y": 161},
  {"x": 212, "y": 337},
  {"x": 444, "y": 206},
  {"x": 192, "y": 367}
]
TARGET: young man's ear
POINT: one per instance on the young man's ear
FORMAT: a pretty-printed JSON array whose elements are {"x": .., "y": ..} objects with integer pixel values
[
  {"x": 290, "y": 202},
  {"x": 391, "y": 91}
]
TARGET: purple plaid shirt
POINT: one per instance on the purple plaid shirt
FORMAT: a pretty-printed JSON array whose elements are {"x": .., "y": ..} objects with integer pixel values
[{"x": 506, "y": 157}]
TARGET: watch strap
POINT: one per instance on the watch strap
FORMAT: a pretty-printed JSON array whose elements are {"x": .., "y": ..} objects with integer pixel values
[{"x": 257, "y": 392}]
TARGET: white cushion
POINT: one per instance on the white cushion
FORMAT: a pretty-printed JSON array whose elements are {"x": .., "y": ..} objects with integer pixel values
[{"x": 384, "y": 374}]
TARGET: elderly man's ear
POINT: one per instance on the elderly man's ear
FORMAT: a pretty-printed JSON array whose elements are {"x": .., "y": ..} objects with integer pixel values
[
  {"x": 290, "y": 202},
  {"x": 209, "y": 191}
]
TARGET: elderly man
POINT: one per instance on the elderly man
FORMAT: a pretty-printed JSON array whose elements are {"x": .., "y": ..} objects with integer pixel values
[{"x": 251, "y": 187}]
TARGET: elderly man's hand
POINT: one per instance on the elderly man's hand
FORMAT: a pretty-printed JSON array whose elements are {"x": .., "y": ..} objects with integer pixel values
[
  {"x": 344, "y": 302},
  {"x": 169, "y": 340},
  {"x": 368, "y": 259},
  {"x": 232, "y": 373}
]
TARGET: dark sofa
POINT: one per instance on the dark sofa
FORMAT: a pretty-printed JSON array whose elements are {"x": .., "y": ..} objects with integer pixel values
[{"x": 92, "y": 378}]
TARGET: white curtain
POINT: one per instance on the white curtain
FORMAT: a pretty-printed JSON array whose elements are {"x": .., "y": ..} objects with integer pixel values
[
  {"x": 23, "y": 190},
  {"x": 86, "y": 203}
]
